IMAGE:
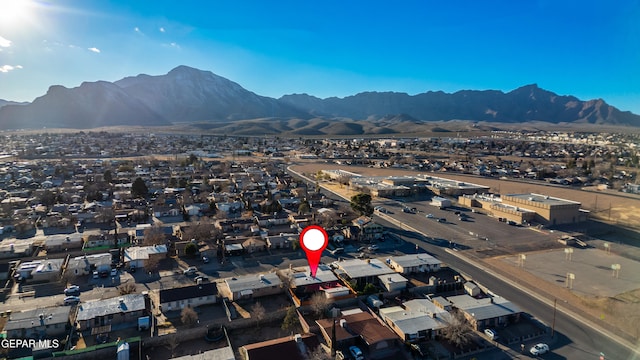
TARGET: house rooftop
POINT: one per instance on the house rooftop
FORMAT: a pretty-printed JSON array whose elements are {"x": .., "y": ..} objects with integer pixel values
[
  {"x": 285, "y": 347},
  {"x": 31, "y": 318},
  {"x": 357, "y": 268},
  {"x": 360, "y": 324},
  {"x": 252, "y": 282},
  {"x": 116, "y": 305},
  {"x": 302, "y": 275},
  {"x": 414, "y": 260},
  {"x": 188, "y": 292},
  {"x": 484, "y": 308}
]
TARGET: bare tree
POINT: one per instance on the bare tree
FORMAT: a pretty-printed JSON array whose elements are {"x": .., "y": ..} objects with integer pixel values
[
  {"x": 286, "y": 280},
  {"x": 189, "y": 316},
  {"x": 154, "y": 236},
  {"x": 318, "y": 353},
  {"x": 201, "y": 231},
  {"x": 128, "y": 288},
  {"x": 258, "y": 313},
  {"x": 459, "y": 331},
  {"x": 319, "y": 304},
  {"x": 172, "y": 344},
  {"x": 152, "y": 264}
]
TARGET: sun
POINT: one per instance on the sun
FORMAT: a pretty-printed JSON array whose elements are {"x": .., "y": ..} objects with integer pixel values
[{"x": 13, "y": 12}]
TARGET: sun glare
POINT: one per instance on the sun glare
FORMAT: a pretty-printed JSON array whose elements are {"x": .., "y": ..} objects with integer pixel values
[{"x": 13, "y": 12}]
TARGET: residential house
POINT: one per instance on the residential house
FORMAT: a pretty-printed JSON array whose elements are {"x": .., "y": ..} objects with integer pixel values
[
  {"x": 281, "y": 241},
  {"x": 251, "y": 286},
  {"x": 369, "y": 229},
  {"x": 42, "y": 323},
  {"x": 414, "y": 263},
  {"x": 295, "y": 347},
  {"x": 63, "y": 242},
  {"x": 304, "y": 286},
  {"x": 13, "y": 248},
  {"x": 41, "y": 270},
  {"x": 392, "y": 282},
  {"x": 123, "y": 311},
  {"x": 84, "y": 265},
  {"x": 361, "y": 272},
  {"x": 105, "y": 239},
  {"x": 254, "y": 244},
  {"x": 416, "y": 320},
  {"x": 138, "y": 256},
  {"x": 191, "y": 296},
  {"x": 363, "y": 330},
  {"x": 493, "y": 311}
]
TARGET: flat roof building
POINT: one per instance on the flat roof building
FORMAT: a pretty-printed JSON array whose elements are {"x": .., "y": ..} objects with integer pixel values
[
  {"x": 414, "y": 263},
  {"x": 251, "y": 286}
]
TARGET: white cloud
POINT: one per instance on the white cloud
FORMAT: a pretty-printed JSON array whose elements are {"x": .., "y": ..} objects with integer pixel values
[
  {"x": 95, "y": 50},
  {"x": 162, "y": 29},
  {"x": 173, "y": 45},
  {"x": 7, "y": 68},
  {"x": 4, "y": 42}
]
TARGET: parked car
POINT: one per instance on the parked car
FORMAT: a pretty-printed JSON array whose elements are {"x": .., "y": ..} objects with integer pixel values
[
  {"x": 191, "y": 270},
  {"x": 442, "y": 220},
  {"x": 71, "y": 300},
  {"x": 361, "y": 256},
  {"x": 539, "y": 349},
  {"x": 200, "y": 279},
  {"x": 492, "y": 334},
  {"x": 373, "y": 247},
  {"x": 430, "y": 216},
  {"x": 72, "y": 290},
  {"x": 205, "y": 259},
  {"x": 361, "y": 249},
  {"x": 356, "y": 353}
]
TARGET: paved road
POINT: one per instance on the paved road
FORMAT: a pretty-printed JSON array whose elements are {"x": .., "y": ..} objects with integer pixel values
[{"x": 574, "y": 339}]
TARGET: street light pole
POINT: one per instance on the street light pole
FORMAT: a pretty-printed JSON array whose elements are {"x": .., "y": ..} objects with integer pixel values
[{"x": 553, "y": 324}]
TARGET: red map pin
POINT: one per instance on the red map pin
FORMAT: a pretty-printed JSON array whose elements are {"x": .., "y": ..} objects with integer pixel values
[{"x": 313, "y": 240}]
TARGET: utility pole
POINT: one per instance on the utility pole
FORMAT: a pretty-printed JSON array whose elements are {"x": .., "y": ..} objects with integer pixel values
[{"x": 553, "y": 324}]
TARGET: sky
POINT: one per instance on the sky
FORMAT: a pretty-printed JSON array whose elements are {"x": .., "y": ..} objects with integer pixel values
[{"x": 586, "y": 48}]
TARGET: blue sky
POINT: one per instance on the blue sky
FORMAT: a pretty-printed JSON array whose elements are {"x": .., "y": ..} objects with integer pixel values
[{"x": 590, "y": 49}]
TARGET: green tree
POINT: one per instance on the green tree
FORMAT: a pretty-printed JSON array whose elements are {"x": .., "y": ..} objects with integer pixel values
[
  {"x": 139, "y": 188},
  {"x": 107, "y": 176},
  {"x": 291, "y": 320},
  {"x": 361, "y": 203},
  {"x": 369, "y": 289},
  {"x": 191, "y": 249},
  {"x": 304, "y": 207}
]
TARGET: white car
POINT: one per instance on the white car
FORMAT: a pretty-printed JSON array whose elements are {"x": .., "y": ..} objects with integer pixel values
[
  {"x": 72, "y": 290},
  {"x": 71, "y": 300},
  {"x": 539, "y": 349},
  {"x": 492, "y": 334},
  {"x": 430, "y": 216},
  {"x": 190, "y": 271}
]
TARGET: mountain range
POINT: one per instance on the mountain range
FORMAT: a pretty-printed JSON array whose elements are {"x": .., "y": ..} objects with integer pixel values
[{"x": 207, "y": 101}]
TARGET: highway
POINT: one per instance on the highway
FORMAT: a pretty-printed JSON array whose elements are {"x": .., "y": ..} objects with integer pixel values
[{"x": 575, "y": 338}]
